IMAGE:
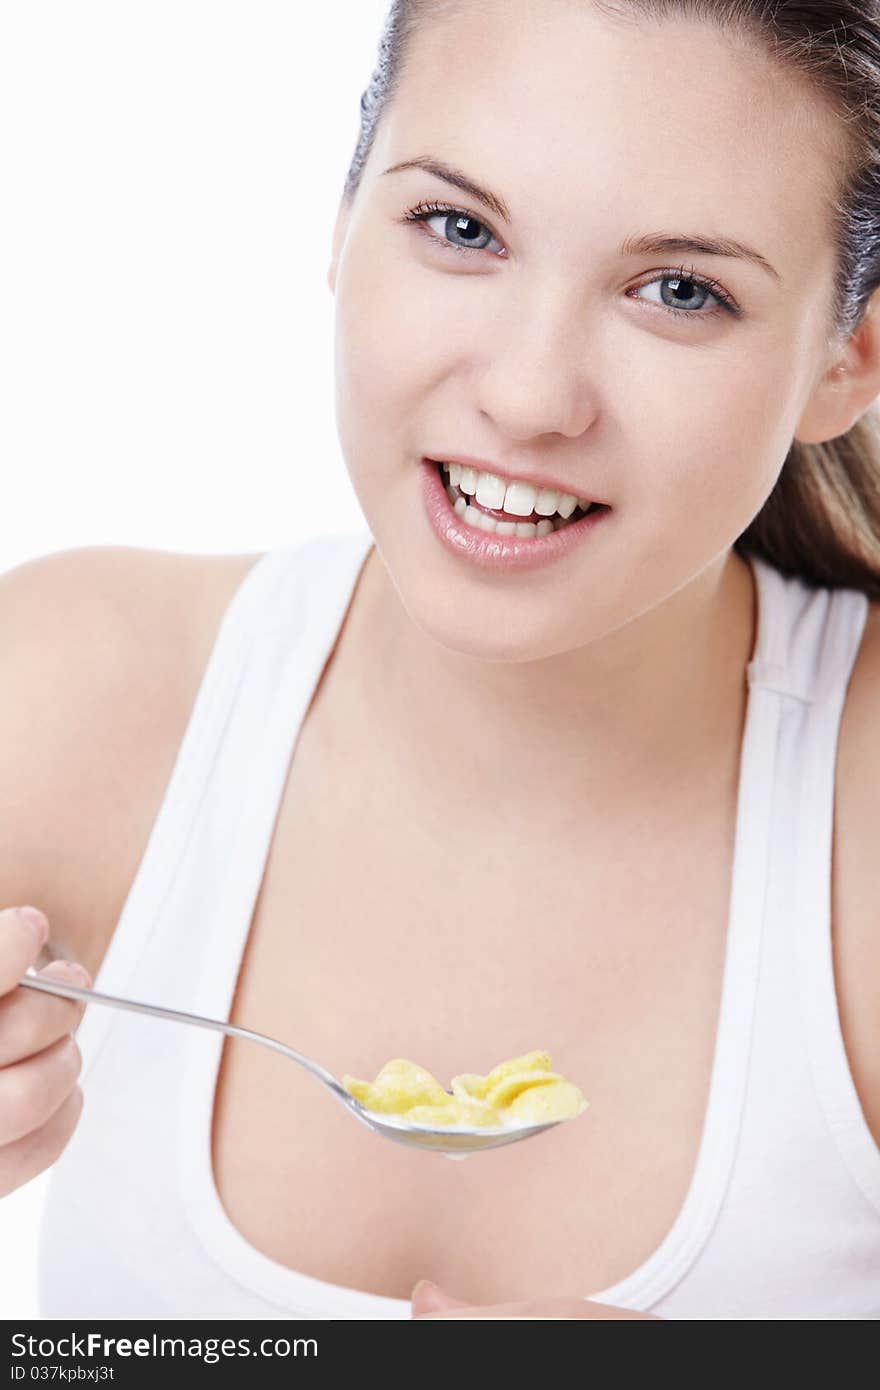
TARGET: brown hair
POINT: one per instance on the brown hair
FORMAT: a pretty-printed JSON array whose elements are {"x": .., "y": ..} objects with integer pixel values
[{"x": 821, "y": 522}]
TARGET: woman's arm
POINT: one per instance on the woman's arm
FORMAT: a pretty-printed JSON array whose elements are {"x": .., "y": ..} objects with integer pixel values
[{"x": 101, "y": 655}]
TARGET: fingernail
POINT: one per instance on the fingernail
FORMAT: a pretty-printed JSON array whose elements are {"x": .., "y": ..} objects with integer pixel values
[
  {"x": 69, "y": 970},
  {"x": 427, "y": 1297},
  {"x": 37, "y": 921}
]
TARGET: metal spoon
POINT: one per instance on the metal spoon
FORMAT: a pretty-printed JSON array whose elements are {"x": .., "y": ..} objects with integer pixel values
[{"x": 457, "y": 1143}]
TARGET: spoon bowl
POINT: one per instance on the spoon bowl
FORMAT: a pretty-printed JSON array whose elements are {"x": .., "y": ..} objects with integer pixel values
[
  {"x": 460, "y": 1142},
  {"x": 455, "y": 1143}
]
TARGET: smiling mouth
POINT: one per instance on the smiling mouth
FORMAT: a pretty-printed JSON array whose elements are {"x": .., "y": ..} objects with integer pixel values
[{"x": 556, "y": 520}]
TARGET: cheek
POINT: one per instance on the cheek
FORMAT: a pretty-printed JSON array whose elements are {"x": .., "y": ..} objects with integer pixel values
[
  {"x": 713, "y": 447},
  {"x": 387, "y": 333}
]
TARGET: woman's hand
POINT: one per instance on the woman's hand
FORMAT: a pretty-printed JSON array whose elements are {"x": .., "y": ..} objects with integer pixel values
[
  {"x": 40, "y": 1061},
  {"x": 430, "y": 1301}
]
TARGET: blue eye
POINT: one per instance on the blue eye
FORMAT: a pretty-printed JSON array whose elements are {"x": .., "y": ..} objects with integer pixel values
[
  {"x": 457, "y": 222},
  {"x": 690, "y": 280},
  {"x": 476, "y": 236}
]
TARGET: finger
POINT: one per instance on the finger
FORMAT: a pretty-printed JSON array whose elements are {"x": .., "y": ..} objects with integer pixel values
[
  {"x": 34, "y": 1152},
  {"x": 32, "y": 1090},
  {"x": 487, "y": 1312},
  {"x": 428, "y": 1297},
  {"x": 21, "y": 941},
  {"x": 30, "y": 1021},
  {"x": 537, "y": 1308}
]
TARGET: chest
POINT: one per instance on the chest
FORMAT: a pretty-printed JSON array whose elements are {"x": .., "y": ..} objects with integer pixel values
[
  {"x": 377, "y": 935},
  {"x": 380, "y": 931}
]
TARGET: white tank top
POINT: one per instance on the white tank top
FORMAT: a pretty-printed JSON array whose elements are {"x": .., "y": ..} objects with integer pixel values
[{"x": 782, "y": 1215}]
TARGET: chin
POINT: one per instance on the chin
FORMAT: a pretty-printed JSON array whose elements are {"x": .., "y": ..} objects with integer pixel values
[{"x": 473, "y": 636}]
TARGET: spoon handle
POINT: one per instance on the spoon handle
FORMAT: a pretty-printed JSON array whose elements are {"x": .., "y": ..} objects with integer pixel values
[{"x": 93, "y": 996}]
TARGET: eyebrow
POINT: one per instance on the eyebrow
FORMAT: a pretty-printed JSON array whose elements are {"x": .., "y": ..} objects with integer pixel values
[{"x": 647, "y": 244}]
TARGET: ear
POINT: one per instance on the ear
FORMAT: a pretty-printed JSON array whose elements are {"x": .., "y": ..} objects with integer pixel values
[
  {"x": 849, "y": 386},
  {"x": 342, "y": 219}
]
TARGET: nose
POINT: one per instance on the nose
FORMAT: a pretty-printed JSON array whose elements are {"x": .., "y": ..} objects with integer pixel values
[{"x": 534, "y": 378}]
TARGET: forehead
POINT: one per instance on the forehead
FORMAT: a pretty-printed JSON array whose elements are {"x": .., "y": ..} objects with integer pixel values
[{"x": 553, "y": 101}]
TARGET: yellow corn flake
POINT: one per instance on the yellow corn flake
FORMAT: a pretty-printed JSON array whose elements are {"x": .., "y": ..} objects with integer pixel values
[
  {"x": 469, "y": 1086},
  {"x": 400, "y": 1072},
  {"x": 508, "y": 1089},
  {"x": 456, "y": 1113},
  {"x": 560, "y": 1100},
  {"x": 361, "y": 1090},
  {"x": 431, "y": 1115},
  {"x": 524, "y": 1089},
  {"x": 532, "y": 1061},
  {"x": 399, "y": 1086}
]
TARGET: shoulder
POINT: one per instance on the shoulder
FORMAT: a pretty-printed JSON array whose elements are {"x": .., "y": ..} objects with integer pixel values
[
  {"x": 856, "y": 876},
  {"x": 102, "y": 654},
  {"x": 129, "y": 590}
]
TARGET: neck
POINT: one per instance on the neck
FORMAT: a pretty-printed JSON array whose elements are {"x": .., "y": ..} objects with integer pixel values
[{"x": 652, "y": 710}]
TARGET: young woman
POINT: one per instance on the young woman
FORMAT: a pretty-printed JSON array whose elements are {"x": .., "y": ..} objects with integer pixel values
[{"x": 497, "y": 774}]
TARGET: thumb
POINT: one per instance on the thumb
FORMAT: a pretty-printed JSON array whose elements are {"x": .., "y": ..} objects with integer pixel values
[{"x": 428, "y": 1297}]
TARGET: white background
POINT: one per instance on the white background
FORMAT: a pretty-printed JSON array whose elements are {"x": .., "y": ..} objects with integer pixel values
[{"x": 170, "y": 176}]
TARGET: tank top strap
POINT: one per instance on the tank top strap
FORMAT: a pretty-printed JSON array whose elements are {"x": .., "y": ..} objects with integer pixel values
[
  {"x": 808, "y": 637},
  {"x": 292, "y": 642},
  {"x": 283, "y": 611},
  {"x": 813, "y": 640}
]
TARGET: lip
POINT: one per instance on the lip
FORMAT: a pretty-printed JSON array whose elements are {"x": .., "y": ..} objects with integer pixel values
[
  {"x": 522, "y": 474},
  {"x": 487, "y": 548}
]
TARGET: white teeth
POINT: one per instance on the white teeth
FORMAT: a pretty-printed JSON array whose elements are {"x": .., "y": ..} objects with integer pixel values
[
  {"x": 546, "y": 503},
  {"x": 490, "y": 490},
  {"x": 520, "y": 499},
  {"x": 566, "y": 504},
  {"x": 525, "y": 530},
  {"x": 467, "y": 481}
]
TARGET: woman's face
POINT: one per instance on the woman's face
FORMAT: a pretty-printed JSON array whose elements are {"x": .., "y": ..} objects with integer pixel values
[{"x": 548, "y": 346}]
